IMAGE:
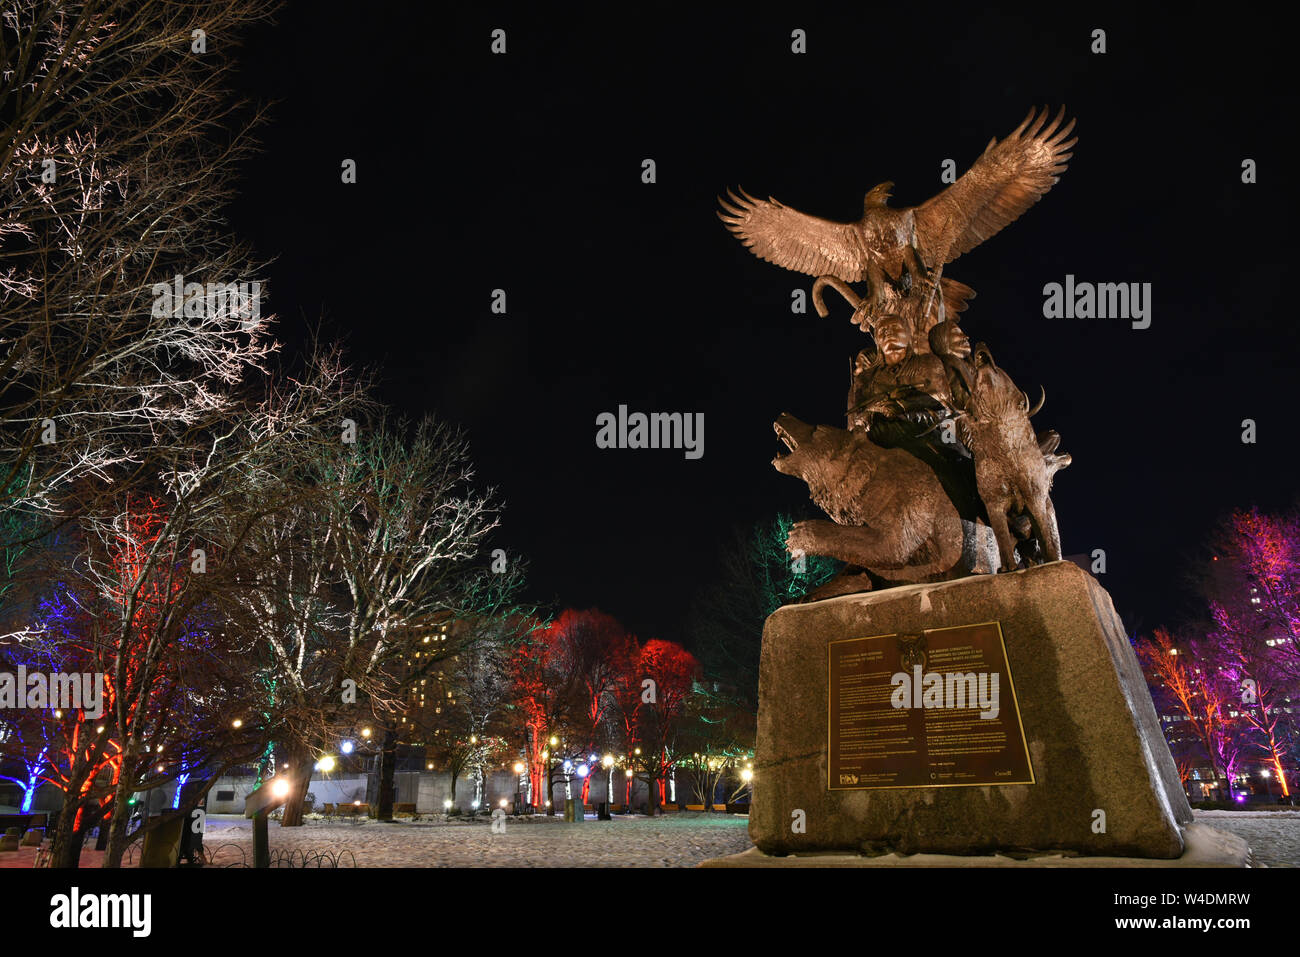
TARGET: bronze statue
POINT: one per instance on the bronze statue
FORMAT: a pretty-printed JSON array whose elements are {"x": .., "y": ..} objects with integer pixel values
[
  {"x": 1008, "y": 178},
  {"x": 1012, "y": 470},
  {"x": 939, "y": 473},
  {"x": 891, "y": 515}
]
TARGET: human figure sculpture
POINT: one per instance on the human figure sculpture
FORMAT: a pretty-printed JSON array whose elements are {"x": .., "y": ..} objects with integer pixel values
[
  {"x": 950, "y": 344},
  {"x": 939, "y": 472},
  {"x": 898, "y": 392}
]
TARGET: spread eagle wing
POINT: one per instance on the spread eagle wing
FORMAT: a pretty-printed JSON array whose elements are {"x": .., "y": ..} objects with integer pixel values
[
  {"x": 795, "y": 240},
  {"x": 956, "y": 295},
  {"x": 1005, "y": 181}
]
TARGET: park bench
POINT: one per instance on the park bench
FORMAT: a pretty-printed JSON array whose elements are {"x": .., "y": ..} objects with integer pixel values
[
  {"x": 354, "y": 812},
  {"x": 404, "y": 808},
  {"x": 25, "y": 821},
  {"x": 329, "y": 810}
]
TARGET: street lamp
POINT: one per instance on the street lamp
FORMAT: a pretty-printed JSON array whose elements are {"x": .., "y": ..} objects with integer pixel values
[
  {"x": 608, "y": 764},
  {"x": 519, "y": 786}
]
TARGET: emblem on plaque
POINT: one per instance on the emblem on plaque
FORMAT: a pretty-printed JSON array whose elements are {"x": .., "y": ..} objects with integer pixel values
[{"x": 911, "y": 651}]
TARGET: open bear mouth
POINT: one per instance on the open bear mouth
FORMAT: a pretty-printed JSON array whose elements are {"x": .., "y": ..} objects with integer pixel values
[
  {"x": 785, "y": 437},
  {"x": 791, "y": 431}
]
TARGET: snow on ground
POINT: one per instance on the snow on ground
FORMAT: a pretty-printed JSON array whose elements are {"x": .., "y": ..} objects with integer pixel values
[
  {"x": 1273, "y": 836},
  {"x": 674, "y": 840}
]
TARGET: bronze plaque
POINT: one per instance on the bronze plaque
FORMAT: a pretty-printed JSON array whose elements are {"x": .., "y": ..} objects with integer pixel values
[{"x": 935, "y": 709}]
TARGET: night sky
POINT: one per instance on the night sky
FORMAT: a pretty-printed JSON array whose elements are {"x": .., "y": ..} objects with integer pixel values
[{"x": 523, "y": 172}]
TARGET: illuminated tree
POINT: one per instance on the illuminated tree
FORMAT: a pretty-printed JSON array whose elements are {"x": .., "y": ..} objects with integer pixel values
[
  {"x": 462, "y": 714},
  {"x": 550, "y": 689},
  {"x": 384, "y": 546},
  {"x": 1182, "y": 673},
  {"x": 1252, "y": 586},
  {"x": 118, "y": 148},
  {"x": 757, "y": 576},
  {"x": 606, "y": 656},
  {"x": 716, "y": 743},
  {"x": 74, "y": 628},
  {"x": 659, "y": 713}
]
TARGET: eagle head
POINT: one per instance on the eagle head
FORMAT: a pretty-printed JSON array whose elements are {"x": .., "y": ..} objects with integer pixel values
[{"x": 878, "y": 196}]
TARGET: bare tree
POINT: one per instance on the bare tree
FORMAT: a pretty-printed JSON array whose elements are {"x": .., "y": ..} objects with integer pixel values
[
  {"x": 667, "y": 675},
  {"x": 461, "y": 713},
  {"x": 1181, "y": 670},
  {"x": 117, "y": 155},
  {"x": 159, "y": 562},
  {"x": 388, "y": 549}
]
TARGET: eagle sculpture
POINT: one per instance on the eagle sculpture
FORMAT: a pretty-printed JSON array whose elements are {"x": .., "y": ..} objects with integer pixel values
[{"x": 1008, "y": 178}]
